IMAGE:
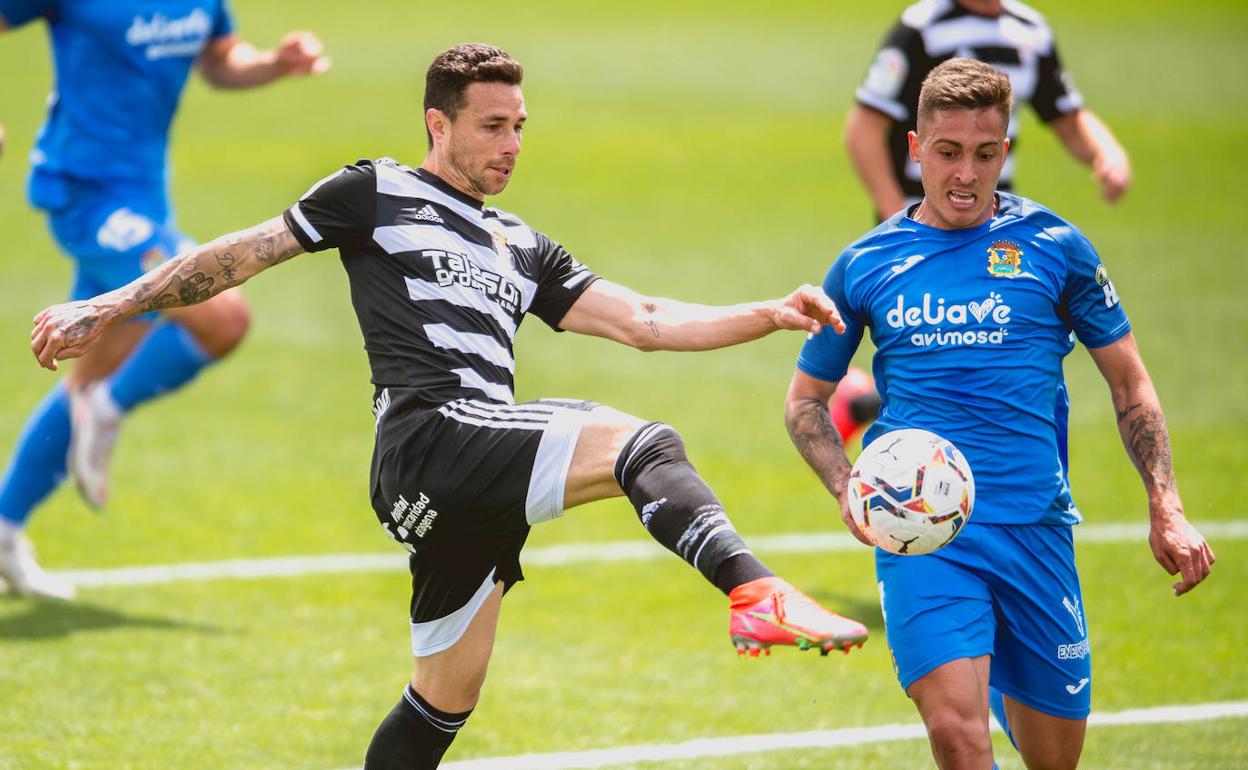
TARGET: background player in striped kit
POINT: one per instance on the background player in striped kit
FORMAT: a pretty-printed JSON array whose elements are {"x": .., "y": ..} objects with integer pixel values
[
  {"x": 1005, "y": 33},
  {"x": 997, "y": 614},
  {"x": 100, "y": 173},
  {"x": 460, "y": 471}
]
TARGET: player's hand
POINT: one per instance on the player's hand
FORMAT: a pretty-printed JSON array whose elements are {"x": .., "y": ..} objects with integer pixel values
[
  {"x": 65, "y": 331},
  {"x": 807, "y": 309},
  {"x": 1112, "y": 170},
  {"x": 1180, "y": 549},
  {"x": 848, "y": 518},
  {"x": 301, "y": 53},
  {"x": 1, "y": 139}
]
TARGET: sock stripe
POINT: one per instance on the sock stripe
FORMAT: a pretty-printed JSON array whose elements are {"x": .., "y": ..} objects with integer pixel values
[
  {"x": 642, "y": 437},
  {"x": 425, "y": 710}
]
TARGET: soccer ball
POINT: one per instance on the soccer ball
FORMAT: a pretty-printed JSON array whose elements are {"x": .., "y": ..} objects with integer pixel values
[{"x": 911, "y": 491}]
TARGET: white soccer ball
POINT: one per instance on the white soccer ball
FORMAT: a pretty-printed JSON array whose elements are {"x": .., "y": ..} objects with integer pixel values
[{"x": 911, "y": 491}]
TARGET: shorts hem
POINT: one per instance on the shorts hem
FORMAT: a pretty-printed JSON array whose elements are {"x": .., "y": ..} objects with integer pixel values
[
  {"x": 936, "y": 663},
  {"x": 1052, "y": 711}
]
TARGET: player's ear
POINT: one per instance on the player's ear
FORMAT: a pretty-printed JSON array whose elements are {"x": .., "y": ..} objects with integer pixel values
[
  {"x": 913, "y": 138},
  {"x": 438, "y": 124}
]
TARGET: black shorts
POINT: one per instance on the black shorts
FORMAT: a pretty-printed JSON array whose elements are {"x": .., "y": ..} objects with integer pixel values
[{"x": 461, "y": 484}]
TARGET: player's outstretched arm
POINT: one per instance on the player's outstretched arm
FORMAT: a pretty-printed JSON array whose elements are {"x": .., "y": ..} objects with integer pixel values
[
  {"x": 1176, "y": 544},
  {"x": 68, "y": 330},
  {"x": 229, "y": 62},
  {"x": 618, "y": 313},
  {"x": 818, "y": 441}
]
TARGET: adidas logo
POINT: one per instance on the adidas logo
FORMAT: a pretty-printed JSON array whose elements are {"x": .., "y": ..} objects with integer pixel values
[{"x": 427, "y": 214}]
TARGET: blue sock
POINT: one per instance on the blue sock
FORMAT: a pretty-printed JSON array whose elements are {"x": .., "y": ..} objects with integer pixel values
[
  {"x": 997, "y": 704},
  {"x": 166, "y": 359},
  {"x": 38, "y": 462}
]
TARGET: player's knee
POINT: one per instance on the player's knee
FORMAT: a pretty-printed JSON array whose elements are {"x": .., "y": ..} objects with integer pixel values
[
  {"x": 1051, "y": 755},
  {"x": 452, "y": 697},
  {"x": 954, "y": 734},
  {"x": 653, "y": 444}
]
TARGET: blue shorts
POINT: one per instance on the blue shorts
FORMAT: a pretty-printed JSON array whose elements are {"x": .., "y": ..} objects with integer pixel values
[
  {"x": 114, "y": 231},
  {"x": 1011, "y": 592}
]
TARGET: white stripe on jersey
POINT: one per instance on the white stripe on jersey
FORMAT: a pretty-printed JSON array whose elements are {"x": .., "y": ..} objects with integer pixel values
[
  {"x": 420, "y": 290},
  {"x": 482, "y": 345},
  {"x": 404, "y": 184},
  {"x": 297, "y": 212},
  {"x": 473, "y": 379},
  {"x": 963, "y": 33},
  {"x": 397, "y": 239}
]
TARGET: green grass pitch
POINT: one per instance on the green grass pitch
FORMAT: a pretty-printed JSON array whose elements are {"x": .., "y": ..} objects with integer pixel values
[{"x": 688, "y": 149}]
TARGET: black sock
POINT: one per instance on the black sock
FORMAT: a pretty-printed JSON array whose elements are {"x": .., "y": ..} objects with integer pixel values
[
  {"x": 413, "y": 736},
  {"x": 680, "y": 511}
]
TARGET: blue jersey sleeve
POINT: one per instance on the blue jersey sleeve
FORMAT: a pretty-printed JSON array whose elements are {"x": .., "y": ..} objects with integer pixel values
[
  {"x": 18, "y": 12},
  {"x": 223, "y": 21},
  {"x": 1089, "y": 301},
  {"x": 826, "y": 355}
]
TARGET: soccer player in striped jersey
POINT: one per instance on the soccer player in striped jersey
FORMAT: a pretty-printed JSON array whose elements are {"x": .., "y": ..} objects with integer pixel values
[
  {"x": 99, "y": 171},
  {"x": 973, "y": 297},
  {"x": 1004, "y": 33},
  {"x": 460, "y": 472}
]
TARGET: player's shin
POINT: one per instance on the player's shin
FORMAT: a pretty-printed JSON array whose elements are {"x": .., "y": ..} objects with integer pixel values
[
  {"x": 679, "y": 510},
  {"x": 413, "y": 736}
]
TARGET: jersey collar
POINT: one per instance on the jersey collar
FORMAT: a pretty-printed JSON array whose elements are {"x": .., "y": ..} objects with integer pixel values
[{"x": 432, "y": 179}]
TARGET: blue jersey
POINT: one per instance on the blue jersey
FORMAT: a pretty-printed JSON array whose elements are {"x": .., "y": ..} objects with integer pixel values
[
  {"x": 121, "y": 66},
  {"x": 970, "y": 328}
]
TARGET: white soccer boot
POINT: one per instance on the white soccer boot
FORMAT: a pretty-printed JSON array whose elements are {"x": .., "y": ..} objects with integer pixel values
[
  {"x": 24, "y": 575},
  {"x": 95, "y": 420}
]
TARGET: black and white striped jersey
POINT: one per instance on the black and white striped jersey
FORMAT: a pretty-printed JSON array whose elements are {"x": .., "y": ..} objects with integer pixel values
[
  {"x": 439, "y": 282},
  {"x": 1019, "y": 42}
]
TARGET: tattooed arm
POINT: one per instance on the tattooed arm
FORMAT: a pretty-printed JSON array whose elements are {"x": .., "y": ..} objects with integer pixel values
[
  {"x": 66, "y": 331},
  {"x": 817, "y": 439},
  {"x": 618, "y": 313},
  {"x": 1176, "y": 544}
]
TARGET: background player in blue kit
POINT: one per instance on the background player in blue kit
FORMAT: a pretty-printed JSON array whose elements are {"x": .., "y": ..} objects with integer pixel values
[
  {"x": 971, "y": 297},
  {"x": 99, "y": 171}
]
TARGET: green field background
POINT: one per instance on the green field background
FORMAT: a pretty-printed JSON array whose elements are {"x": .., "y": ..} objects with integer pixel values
[{"x": 692, "y": 150}]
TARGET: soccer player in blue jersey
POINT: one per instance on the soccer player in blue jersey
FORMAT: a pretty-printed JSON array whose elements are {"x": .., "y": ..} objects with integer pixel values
[
  {"x": 972, "y": 298},
  {"x": 99, "y": 173}
]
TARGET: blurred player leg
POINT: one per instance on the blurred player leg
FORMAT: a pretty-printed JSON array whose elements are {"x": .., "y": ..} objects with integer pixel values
[
  {"x": 169, "y": 358},
  {"x": 618, "y": 453},
  {"x": 38, "y": 462}
]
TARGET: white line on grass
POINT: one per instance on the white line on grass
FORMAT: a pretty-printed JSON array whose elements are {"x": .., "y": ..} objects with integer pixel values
[
  {"x": 548, "y": 556},
  {"x": 818, "y": 739}
]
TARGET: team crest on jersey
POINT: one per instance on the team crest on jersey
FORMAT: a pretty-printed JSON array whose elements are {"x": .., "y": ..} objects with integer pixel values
[{"x": 1005, "y": 259}]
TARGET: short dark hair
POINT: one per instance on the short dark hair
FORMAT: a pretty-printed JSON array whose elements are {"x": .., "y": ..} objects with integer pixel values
[
  {"x": 965, "y": 84},
  {"x": 453, "y": 70}
]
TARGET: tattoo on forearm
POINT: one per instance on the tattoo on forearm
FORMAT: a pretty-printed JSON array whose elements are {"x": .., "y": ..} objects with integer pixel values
[
  {"x": 1122, "y": 413},
  {"x": 650, "y": 307},
  {"x": 226, "y": 261},
  {"x": 214, "y": 267},
  {"x": 1150, "y": 446},
  {"x": 819, "y": 442}
]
